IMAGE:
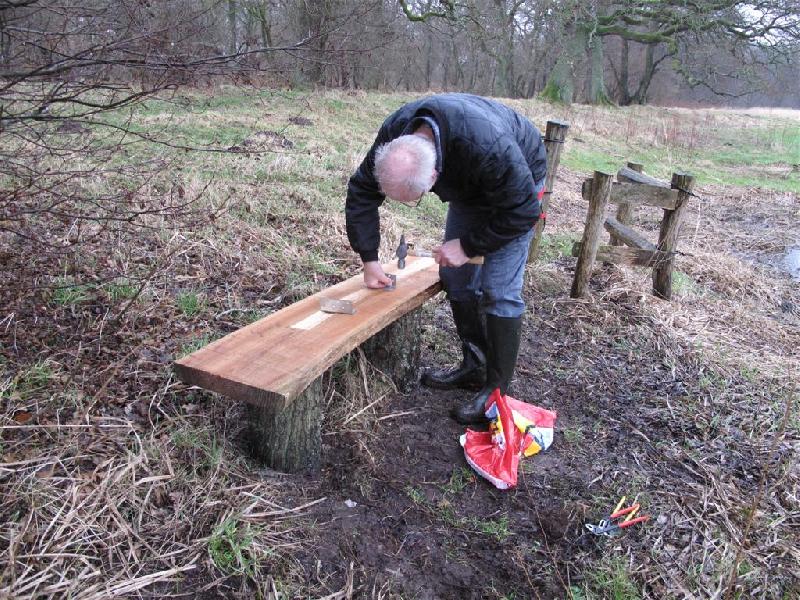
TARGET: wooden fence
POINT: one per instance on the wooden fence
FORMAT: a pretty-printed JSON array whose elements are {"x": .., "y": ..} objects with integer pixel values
[
  {"x": 554, "y": 136},
  {"x": 632, "y": 188}
]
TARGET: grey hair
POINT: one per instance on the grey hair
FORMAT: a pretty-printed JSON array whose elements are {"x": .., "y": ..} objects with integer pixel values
[{"x": 406, "y": 163}]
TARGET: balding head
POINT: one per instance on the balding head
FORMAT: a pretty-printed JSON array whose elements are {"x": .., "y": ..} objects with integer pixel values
[{"x": 406, "y": 167}]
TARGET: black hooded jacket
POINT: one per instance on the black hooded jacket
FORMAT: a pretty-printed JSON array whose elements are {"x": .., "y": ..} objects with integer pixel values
[{"x": 491, "y": 157}]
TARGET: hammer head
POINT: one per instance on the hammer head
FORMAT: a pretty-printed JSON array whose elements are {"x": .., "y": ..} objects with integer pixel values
[{"x": 401, "y": 252}]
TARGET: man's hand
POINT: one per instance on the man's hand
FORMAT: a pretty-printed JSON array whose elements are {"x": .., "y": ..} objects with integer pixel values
[
  {"x": 374, "y": 277},
  {"x": 450, "y": 254}
]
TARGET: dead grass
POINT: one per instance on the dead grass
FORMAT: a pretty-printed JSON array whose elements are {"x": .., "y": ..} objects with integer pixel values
[
  {"x": 110, "y": 507},
  {"x": 727, "y": 493},
  {"x": 116, "y": 479}
]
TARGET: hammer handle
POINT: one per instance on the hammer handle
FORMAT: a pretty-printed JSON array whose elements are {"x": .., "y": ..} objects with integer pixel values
[{"x": 475, "y": 260}]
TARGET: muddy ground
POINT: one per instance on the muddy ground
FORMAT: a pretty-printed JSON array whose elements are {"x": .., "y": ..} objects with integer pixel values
[
  {"x": 643, "y": 411},
  {"x": 406, "y": 516},
  {"x": 117, "y": 480}
]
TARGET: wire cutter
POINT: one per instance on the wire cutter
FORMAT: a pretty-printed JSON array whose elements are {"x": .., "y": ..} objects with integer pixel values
[{"x": 614, "y": 524}]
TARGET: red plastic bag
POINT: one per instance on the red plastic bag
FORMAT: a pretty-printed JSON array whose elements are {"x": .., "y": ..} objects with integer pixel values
[{"x": 517, "y": 429}]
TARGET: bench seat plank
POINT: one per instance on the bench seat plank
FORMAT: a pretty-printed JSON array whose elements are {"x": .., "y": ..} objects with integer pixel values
[{"x": 271, "y": 361}]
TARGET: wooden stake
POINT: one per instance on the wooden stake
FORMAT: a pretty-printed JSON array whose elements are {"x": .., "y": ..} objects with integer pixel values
[
  {"x": 625, "y": 210},
  {"x": 668, "y": 236},
  {"x": 554, "y": 137},
  {"x": 598, "y": 200}
]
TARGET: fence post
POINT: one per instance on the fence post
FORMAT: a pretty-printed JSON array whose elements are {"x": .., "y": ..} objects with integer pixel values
[
  {"x": 554, "y": 137},
  {"x": 668, "y": 235},
  {"x": 625, "y": 210},
  {"x": 598, "y": 200}
]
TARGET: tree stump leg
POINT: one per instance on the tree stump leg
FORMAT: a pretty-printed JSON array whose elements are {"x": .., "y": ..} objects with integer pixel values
[
  {"x": 289, "y": 440},
  {"x": 396, "y": 350}
]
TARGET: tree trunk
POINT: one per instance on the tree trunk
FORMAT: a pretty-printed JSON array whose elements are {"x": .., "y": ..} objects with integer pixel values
[
  {"x": 647, "y": 76},
  {"x": 290, "y": 439},
  {"x": 396, "y": 351},
  {"x": 428, "y": 60},
  {"x": 505, "y": 63},
  {"x": 624, "y": 73},
  {"x": 561, "y": 82},
  {"x": 265, "y": 27},
  {"x": 234, "y": 42},
  {"x": 597, "y": 90},
  {"x": 458, "y": 80}
]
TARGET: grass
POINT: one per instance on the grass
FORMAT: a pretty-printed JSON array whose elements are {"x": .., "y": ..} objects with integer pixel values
[
  {"x": 573, "y": 435},
  {"x": 496, "y": 528},
  {"x": 120, "y": 290},
  {"x": 195, "y": 344},
  {"x": 281, "y": 237},
  {"x": 202, "y": 444},
  {"x": 683, "y": 283},
  {"x": 556, "y": 245},
  {"x": 189, "y": 303},
  {"x": 36, "y": 378},
  {"x": 443, "y": 509},
  {"x": 459, "y": 480},
  {"x": 611, "y": 581},
  {"x": 230, "y": 548},
  {"x": 66, "y": 292},
  {"x": 716, "y": 146}
]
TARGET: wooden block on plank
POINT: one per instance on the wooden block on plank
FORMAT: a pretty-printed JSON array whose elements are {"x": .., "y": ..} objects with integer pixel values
[
  {"x": 622, "y": 255},
  {"x": 271, "y": 361},
  {"x": 627, "y": 235}
]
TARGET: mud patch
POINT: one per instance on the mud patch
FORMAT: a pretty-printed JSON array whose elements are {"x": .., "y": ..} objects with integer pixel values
[
  {"x": 791, "y": 262},
  {"x": 263, "y": 140}
]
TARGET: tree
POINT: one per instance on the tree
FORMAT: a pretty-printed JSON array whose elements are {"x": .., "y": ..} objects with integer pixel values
[
  {"x": 68, "y": 72},
  {"x": 766, "y": 31}
]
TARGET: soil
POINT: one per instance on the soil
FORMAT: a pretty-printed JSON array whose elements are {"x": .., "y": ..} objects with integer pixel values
[{"x": 405, "y": 512}]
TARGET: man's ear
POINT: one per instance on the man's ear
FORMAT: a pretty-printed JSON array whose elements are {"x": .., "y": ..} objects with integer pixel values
[{"x": 434, "y": 177}]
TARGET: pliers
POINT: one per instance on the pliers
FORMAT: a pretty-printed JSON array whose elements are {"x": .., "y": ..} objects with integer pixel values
[{"x": 613, "y": 525}]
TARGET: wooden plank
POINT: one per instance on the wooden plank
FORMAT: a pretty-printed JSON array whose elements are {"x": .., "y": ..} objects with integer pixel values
[
  {"x": 271, "y": 362},
  {"x": 626, "y": 235},
  {"x": 622, "y": 255},
  {"x": 598, "y": 200},
  {"x": 320, "y": 316},
  {"x": 637, "y": 194},
  {"x": 643, "y": 194},
  {"x": 554, "y": 136},
  {"x": 629, "y": 175},
  {"x": 668, "y": 235}
]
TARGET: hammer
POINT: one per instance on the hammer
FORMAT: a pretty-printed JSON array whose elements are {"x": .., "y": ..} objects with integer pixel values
[{"x": 402, "y": 252}]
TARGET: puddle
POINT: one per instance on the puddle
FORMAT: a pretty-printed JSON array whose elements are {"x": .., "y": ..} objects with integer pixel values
[
  {"x": 788, "y": 262},
  {"x": 791, "y": 262}
]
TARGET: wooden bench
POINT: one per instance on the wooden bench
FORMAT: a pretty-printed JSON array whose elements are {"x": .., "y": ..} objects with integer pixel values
[{"x": 275, "y": 364}]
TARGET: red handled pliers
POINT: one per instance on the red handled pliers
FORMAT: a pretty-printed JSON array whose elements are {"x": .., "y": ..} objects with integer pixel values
[{"x": 614, "y": 524}]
